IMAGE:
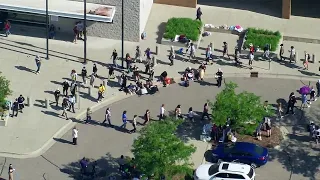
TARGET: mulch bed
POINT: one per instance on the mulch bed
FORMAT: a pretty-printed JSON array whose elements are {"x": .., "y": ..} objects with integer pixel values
[{"x": 268, "y": 142}]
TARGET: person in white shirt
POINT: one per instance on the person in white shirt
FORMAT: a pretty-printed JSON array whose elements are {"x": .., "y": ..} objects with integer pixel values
[
  {"x": 107, "y": 117},
  {"x": 162, "y": 111},
  {"x": 75, "y": 135},
  {"x": 292, "y": 52},
  {"x": 191, "y": 114}
]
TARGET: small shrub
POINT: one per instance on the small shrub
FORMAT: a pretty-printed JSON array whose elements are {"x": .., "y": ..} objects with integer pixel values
[
  {"x": 261, "y": 37},
  {"x": 183, "y": 26}
]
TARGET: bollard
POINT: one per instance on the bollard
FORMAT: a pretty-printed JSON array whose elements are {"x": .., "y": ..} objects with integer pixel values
[
  {"x": 313, "y": 58},
  {"x": 89, "y": 90},
  {"x": 157, "y": 50},
  {"x": 296, "y": 57},
  {"x": 29, "y": 102},
  {"x": 46, "y": 103},
  {"x": 76, "y": 97},
  {"x": 154, "y": 61}
]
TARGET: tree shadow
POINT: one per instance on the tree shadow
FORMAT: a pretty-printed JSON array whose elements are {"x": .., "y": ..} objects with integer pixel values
[
  {"x": 23, "y": 68},
  {"x": 160, "y": 32},
  {"x": 105, "y": 166},
  {"x": 189, "y": 130}
]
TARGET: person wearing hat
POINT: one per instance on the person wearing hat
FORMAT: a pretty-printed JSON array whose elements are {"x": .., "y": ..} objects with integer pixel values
[
  {"x": 281, "y": 52},
  {"x": 57, "y": 95},
  {"x": 38, "y": 63}
]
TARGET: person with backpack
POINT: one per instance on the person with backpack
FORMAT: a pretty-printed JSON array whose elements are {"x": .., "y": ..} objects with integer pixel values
[{"x": 21, "y": 102}]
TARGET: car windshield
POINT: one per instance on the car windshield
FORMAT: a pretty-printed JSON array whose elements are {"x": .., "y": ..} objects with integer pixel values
[
  {"x": 250, "y": 174},
  {"x": 213, "y": 169},
  {"x": 259, "y": 150}
]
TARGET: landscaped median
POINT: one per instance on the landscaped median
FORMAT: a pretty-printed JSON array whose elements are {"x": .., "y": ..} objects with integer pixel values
[
  {"x": 260, "y": 38},
  {"x": 187, "y": 27}
]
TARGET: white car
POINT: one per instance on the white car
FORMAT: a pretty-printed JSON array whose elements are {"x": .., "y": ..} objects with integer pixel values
[{"x": 224, "y": 171}]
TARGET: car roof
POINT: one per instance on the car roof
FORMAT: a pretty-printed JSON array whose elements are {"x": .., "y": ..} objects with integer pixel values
[
  {"x": 248, "y": 147},
  {"x": 234, "y": 167}
]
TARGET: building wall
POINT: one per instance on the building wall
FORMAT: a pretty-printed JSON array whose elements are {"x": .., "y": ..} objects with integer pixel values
[
  {"x": 113, "y": 30},
  {"x": 184, "y": 3},
  {"x": 145, "y": 9}
]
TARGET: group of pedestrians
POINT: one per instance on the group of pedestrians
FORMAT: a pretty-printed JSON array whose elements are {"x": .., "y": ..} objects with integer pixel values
[{"x": 17, "y": 106}]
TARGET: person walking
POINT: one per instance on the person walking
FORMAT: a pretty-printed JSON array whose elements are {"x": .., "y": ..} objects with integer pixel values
[
  {"x": 178, "y": 112},
  {"x": 280, "y": 110},
  {"x": 281, "y": 52},
  {"x": 304, "y": 100},
  {"x": 101, "y": 92},
  {"x": 172, "y": 55},
  {"x": 134, "y": 124},
  {"x": 205, "y": 112},
  {"x": 88, "y": 115},
  {"x": 111, "y": 73},
  {"x": 225, "y": 50},
  {"x": 64, "y": 108},
  {"x": 251, "y": 57},
  {"x": 38, "y": 63},
  {"x": 7, "y": 27},
  {"x": 114, "y": 58},
  {"x": 318, "y": 88},
  {"x": 57, "y": 95},
  {"x": 162, "y": 111},
  {"x": 107, "y": 117},
  {"x": 124, "y": 120},
  {"x": 199, "y": 14},
  {"x": 267, "y": 122},
  {"x": 138, "y": 55},
  {"x": 75, "y": 33},
  {"x": 92, "y": 79},
  {"x": 292, "y": 52},
  {"x": 147, "y": 53},
  {"x": 73, "y": 88},
  {"x": 191, "y": 114},
  {"x": 292, "y": 101},
  {"x": 306, "y": 60},
  {"x": 123, "y": 81},
  {"x": 21, "y": 102},
  {"x": 84, "y": 75},
  {"x": 146, "y": 117},
  {"x": 72, "y": 101},
  {"x": 75, "y": 132},
  {"x": 95, "y": 70},
  {"x": 15, "y": 108},
  {"x": 65, "y": 87},
  {"x": 192, "y": 51},
  {"x": 219, "y": 76},
  {"x": 10, "y": 172}
]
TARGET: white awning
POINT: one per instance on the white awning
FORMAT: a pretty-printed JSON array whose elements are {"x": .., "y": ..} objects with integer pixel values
[{"x": 69, "y": 9}]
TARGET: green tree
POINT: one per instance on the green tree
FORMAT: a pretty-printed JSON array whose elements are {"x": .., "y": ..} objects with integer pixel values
[
  {"x": 244, "y": 109},
  {"x": 158, "y": 151},
  {"x": 4, "y": 90}
]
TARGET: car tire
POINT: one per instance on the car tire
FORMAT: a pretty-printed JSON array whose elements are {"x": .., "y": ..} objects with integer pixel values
[{"x": 253, "y": 165}]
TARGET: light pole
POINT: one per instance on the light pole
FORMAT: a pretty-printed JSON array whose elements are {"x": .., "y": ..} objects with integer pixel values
[
  {"x": 122, "y": 35},
  {"x": 47, "y": 30},
  {"x": 85, "y": 32}
]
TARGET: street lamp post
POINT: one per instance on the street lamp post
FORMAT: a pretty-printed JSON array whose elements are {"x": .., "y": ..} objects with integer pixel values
[
  {"x": 47, "y": 30},
  {"x": 122, "y": 35},
  {"x": 85, "y": 32}
]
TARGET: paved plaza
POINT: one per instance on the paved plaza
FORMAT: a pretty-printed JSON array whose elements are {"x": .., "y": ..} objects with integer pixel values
[
  {"x": 106, "y": 144},
  {"x": 32, "y": 133}
]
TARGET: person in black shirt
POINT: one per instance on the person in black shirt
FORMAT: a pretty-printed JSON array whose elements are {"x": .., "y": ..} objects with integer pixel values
[
  {"x": 57, "y": 95},
  {"x": 114, "y": 57},
  {"x": 65, "y": 86},
  {"x": 95, "y": 69},
  {"x": 219, "y": 76},
  {"x": 292, "y": 101},
  {"x": 20, "y": 102},
  {"x": 111, "y": 72},
  {"x": 84, "y": 75},
  {"x": 15, "y": 108},
  {"x": 124, "y": 81}
]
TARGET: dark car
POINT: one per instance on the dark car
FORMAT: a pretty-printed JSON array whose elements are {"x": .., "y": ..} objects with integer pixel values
[{"x": 243, "y": 152}]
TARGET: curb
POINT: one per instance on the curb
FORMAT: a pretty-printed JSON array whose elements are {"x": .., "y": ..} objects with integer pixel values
[{"x": 47, "y": 145}]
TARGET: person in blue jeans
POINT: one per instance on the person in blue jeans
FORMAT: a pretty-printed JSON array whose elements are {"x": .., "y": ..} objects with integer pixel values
[{"x": 124, "y": 120}]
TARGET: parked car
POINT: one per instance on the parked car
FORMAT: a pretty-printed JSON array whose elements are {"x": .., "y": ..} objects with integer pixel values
[
  {"x": 244, "y": 152},
  {"x": 224, "y": 170}
]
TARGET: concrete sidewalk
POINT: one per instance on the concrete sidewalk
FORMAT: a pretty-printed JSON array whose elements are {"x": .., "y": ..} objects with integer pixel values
[{"x": 32, "y": 132}]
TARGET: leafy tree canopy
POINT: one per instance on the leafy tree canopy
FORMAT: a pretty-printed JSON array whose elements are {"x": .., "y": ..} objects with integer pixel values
[
  {"x": 244, "y": 109},
  {"x": 158, "y": 151},
  {"x": 4, "y": 90}
]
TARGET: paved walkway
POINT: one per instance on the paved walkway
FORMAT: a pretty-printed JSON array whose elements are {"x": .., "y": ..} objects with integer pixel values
[
  {"x": 107, "y": 144},
  {"x": 21, "y": 137}
]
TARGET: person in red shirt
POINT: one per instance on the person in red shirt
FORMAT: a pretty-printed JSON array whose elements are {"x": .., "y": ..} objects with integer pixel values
[{"x": 7, "y": 27}]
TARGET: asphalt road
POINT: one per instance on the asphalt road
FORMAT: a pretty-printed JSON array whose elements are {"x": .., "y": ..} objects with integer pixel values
[{"x": 106, "y": 144}]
